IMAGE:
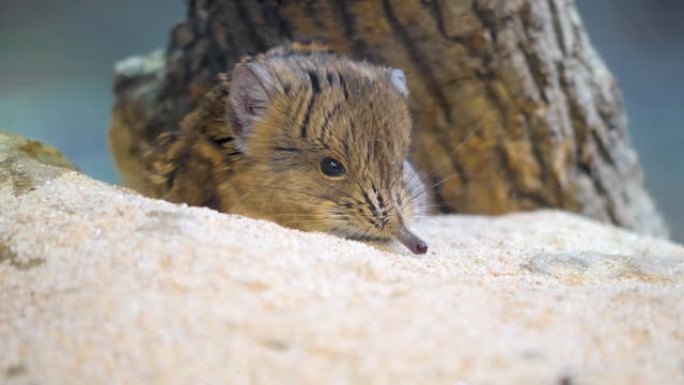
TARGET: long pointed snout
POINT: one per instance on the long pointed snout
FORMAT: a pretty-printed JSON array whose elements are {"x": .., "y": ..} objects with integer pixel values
[{"x": 411, "y": 241}]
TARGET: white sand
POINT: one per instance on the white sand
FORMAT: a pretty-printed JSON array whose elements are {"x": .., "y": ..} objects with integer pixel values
[{"x": 101, "y": 286}]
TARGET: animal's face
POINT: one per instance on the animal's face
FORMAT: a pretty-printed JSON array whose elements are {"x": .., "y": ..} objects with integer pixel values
[{"x": 326, "y": 150}]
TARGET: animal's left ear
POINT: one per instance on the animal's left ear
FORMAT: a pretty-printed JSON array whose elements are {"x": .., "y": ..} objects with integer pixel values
[{"x": 398, "y": 80}]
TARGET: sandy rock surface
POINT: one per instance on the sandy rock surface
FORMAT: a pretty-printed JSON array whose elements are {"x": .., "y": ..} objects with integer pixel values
[
  {"x": 12, "y": 146},
  {"x": 99, "y": 285}
]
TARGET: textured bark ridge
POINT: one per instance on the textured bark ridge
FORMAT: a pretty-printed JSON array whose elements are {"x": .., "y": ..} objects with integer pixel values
[{"x": 514, "y": 110}]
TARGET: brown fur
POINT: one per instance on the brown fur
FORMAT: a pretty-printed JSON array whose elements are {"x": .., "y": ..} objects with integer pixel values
[{"x": 322, "y": 106}]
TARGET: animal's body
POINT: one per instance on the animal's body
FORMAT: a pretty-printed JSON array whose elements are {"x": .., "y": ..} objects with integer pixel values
[{"x": 304, "y": 138}]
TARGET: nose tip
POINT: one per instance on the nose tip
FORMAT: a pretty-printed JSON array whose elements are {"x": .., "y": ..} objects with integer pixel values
[
  {"x": 420, "y": 248},
  {"x": 411, "y": 241}
]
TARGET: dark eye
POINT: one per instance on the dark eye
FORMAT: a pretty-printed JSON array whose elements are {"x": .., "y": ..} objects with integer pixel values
[{"x": 332, "y": 167}]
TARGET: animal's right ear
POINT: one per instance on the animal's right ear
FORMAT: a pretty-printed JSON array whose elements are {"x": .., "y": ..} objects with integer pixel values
[
  {"x": 398, "y": 80},
  {"x": 250, "y": 85}
]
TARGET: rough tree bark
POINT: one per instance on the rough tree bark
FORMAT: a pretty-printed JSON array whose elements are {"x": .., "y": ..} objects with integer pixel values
[{"x": 514, "y": 110}]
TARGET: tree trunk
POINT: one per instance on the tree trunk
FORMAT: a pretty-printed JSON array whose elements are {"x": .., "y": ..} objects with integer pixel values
[{"x": 514, "y": 110}]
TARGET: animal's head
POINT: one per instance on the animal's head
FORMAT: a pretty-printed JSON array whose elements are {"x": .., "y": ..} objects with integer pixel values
[{"x": 324, "y": 143}]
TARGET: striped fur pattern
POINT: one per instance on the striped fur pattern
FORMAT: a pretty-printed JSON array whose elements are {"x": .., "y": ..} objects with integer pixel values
[{"x": 255, "y": 145}]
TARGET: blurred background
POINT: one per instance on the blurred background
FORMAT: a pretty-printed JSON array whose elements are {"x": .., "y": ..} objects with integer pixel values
[{"x": 56, "y": 58}]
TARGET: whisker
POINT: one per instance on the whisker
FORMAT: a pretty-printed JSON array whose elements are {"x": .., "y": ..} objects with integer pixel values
[{"x": 433, "y": 173}]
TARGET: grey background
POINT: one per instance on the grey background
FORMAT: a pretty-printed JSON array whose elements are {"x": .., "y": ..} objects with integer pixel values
[{"x": 56, "y": 59}]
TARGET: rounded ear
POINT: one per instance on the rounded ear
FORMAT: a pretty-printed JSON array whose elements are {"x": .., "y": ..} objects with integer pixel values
[
  {"x": 398, "y": 80},
  {"x": 250, "y": 84}
]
